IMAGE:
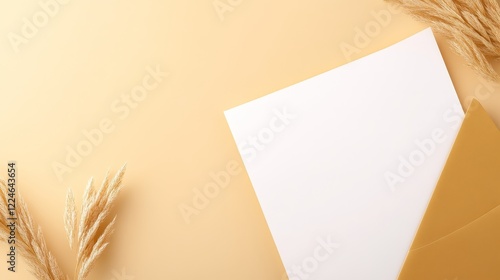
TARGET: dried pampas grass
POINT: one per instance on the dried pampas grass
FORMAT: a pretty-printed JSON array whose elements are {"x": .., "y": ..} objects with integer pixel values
[
  {"x": 96, "y": 208},
  {"x": 91, "y": 235},
  {"x": 30, "y": 242},
  {"x": 471, "y": 26}
]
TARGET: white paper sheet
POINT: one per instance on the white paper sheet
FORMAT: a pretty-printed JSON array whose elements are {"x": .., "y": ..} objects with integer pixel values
[{"x": 344, "y": 163}]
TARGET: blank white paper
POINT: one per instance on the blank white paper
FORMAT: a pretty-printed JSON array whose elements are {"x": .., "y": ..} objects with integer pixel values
[{"x": 344, "y": 163}]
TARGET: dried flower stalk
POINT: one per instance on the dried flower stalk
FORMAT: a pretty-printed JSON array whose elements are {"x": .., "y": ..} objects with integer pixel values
[
  {"x": 91, "y": 234},
  {"x": 471, "y": 26}
]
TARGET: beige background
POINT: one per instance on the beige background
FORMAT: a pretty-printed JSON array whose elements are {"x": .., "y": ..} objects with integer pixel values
[{"x": 66, "y": 77}]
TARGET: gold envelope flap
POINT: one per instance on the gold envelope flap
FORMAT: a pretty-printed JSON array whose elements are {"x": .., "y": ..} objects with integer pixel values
[{"x": 459, "y": 236}]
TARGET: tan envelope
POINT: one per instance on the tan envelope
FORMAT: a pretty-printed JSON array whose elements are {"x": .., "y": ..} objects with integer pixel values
[{"x": 459, "y": 237}]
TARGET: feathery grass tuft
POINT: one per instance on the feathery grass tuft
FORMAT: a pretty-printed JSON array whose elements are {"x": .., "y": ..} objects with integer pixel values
[
  {"x": 471, "y": 26},
  {"x": 30, "y": 242},
  {"x": 91, "y": 234}
]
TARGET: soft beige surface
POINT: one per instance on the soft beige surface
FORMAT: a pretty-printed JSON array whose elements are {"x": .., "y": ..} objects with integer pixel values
[{"x": 70, "y": 74}]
